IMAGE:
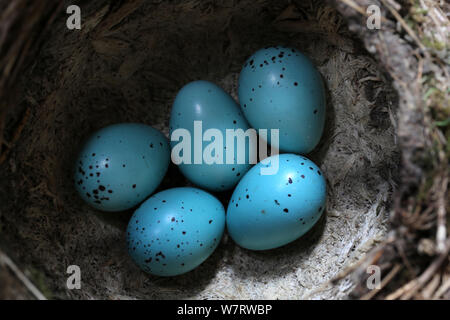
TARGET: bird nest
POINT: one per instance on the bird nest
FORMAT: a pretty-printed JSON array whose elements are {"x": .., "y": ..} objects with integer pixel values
[{"x": 382, "y": 153}]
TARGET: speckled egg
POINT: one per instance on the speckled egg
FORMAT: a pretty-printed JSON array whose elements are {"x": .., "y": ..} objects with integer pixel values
[
  {"x": 121, "y": 165},
  {"x": 175, "y": 230},
  {"x": 279, "y": 88},
  {"x": 269, "y": 211},
  {"x": 214, "y": 109}
]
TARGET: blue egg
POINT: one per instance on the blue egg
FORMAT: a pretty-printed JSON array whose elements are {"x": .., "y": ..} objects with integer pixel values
[
  {"x": 121, "y": 165},
  {"x": 175, "y": 230},
  {"x": 269, "y": 211},
  {"x": 214, "y": 109},
  {"x": 279, "y": 88}
]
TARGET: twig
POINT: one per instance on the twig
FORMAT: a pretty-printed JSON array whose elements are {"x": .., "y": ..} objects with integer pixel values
[
  {"x": 405, "y": 259},
  {"x": 411, "y": 288},
  {"x": 431, "y": 287},
  {"x": 16, "y": 135},
  {"x": 383, "y": 283},
  {"x": 400, "y": 291},
  {"x": 441, "y": 233},
  {"x": 356, "y": 7},
  {"x": 443, "y": 289},
  {"x": 2, "y": 128},
  {"x": 373, "y": 256},
  {"x": 4, "y": 259},
  {"x": 406, "y": 27},
  {"x": 427, "y": 274}
]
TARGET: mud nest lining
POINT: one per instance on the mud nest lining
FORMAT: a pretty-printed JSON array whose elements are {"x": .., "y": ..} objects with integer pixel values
[{"x": 126, "y": 65}]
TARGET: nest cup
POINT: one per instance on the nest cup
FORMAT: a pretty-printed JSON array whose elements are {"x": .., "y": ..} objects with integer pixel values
[{"x": 127, "y": 64}]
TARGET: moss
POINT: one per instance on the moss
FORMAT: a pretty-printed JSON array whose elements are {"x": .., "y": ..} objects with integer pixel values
[
  {"x": 39, "y": 280},
  {"x": 433, "y": 43}
]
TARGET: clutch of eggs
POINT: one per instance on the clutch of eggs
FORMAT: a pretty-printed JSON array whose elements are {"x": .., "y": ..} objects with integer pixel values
[
  {"x": 121, "y": 165},
  {"x": 176, "y": 230}
]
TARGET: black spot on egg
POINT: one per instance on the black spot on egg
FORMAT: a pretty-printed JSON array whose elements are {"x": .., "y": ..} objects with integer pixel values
[
  {"x": 286, "y": 210},
  {"x": 290, "y": 180}
]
